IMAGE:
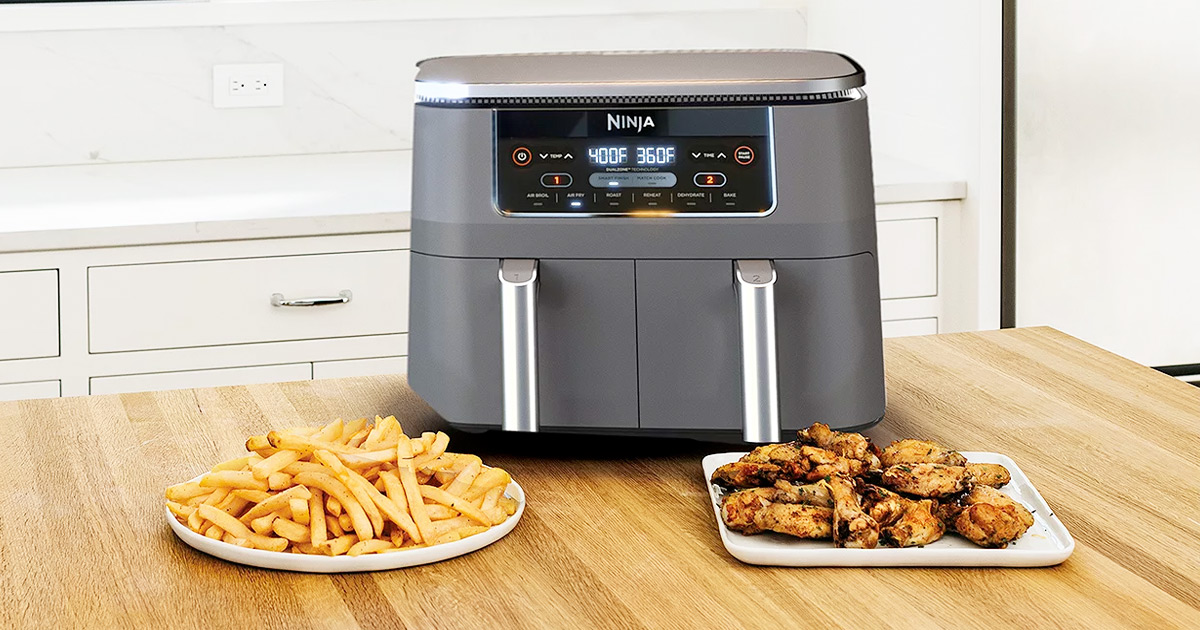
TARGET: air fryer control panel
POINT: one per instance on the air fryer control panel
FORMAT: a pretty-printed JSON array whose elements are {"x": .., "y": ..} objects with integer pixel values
[{"x": 626, "y": 162}]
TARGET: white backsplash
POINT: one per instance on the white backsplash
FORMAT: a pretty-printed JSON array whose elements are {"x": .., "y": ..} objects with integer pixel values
[{"x": 127, "y": 95}]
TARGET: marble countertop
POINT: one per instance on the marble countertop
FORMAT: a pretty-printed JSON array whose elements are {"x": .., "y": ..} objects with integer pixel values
[{"x": 111, "y": 205}]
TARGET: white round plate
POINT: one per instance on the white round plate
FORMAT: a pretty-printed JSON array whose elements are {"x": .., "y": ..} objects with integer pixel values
[{"x": 288, "y": 561}]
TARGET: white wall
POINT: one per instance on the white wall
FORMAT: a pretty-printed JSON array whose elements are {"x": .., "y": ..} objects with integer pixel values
[
  {"x": 120, "y": 95},
  {"x": 934, "y": 85},
  {"x": 1108, "y": 210}
]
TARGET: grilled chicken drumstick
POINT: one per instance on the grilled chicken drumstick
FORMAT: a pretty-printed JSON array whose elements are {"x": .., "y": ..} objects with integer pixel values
[
  {"x": 903, "y": 522},
  {"x": 852, "y": 527},
  {"x": 930, "y": 481},
  {"x": 919, "y": 452},
  {"x": 788, "y": 462},
  {"x": 753, "y": 511},
  {"x": 848, "y": 445}
]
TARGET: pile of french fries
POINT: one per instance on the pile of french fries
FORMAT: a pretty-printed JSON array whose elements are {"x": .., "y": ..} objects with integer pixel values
[{"x": 345, "y": 488}]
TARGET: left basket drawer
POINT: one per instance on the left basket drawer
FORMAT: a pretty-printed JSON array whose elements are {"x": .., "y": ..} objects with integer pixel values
[{"x": 29, "y": 319}]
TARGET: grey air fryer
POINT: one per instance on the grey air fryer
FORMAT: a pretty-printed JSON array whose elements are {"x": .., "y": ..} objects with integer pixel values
[{"x": 672, "y": 244}]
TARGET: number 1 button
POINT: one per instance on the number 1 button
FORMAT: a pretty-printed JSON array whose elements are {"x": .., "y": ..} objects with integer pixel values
[{"x": 556, "y": 180}]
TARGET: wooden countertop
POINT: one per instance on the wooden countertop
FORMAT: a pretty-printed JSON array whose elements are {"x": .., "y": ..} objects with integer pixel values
[{"x": 619, "y": 532}]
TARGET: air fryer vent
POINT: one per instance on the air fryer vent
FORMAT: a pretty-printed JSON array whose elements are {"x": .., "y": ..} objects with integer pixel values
[{"x": 638, "y": 101}]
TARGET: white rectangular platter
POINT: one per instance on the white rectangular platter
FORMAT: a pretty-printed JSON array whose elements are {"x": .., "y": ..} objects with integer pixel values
[{"x": 1046, "y": 543}]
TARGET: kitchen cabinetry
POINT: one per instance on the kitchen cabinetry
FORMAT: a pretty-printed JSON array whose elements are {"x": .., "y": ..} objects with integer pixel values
[
  {"x": 168, "y": 316},
  {"x": 181, "y": 301}
]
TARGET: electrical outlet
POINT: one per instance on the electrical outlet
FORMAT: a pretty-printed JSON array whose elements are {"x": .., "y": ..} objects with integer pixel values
[{"x": 248, "y": 85}]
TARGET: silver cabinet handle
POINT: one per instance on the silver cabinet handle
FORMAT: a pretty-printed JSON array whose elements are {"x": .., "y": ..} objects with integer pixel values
[
  {"x": 755, "y": 281},
  {"x": 343, "y": 297},
  {"x": 518, "y": 337}
]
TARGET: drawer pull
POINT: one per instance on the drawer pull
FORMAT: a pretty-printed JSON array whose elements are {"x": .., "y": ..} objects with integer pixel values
[{"x": 343, "y": 297}]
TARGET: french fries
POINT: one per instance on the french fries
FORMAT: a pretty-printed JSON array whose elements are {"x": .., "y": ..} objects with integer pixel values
[{"x": 344, "y": 488}]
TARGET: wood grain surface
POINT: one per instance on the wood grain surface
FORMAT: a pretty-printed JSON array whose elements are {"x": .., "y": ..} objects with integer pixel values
[{"x": 618, "y": 532}]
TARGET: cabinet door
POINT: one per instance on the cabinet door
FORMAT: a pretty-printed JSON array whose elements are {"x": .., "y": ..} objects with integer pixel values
[
  {"x": 201, "y": 378},
  {"x": 25, "y": 391},
  {"x": 908, "y": 261},
  {"x": 29, "y": 317}
]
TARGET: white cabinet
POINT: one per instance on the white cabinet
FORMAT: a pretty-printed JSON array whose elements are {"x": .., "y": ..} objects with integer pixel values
[
  {"x": 29, "y": 315},
  {"x": 201, "y": 378},
  {"x": 23, "y": 391},
  {"x": 908, "y": 262},
  {"x": 910, "y": 327},
  {"x": 222, "y": 302},
  {"x": 360, "y": 367},
  {"x": 174, "y": 315}
]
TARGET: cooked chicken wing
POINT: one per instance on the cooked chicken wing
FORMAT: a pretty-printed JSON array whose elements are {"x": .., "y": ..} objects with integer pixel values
[
  {"x": 774, "y": 454},
  {"x": 808, "y": 494},
  {"x": 984, "y": 494},
  {"x": 767, "y": 464},
  {"x": 738, "y": 509},
  {"x": 852, "y": 527},
  {"x": 751, "y": 512},
  {"x": 801, "y": 521},
  {"x": 993, "y": 475},
  {"x": 989, "y": 525},
  {"x": 752, "y": 475},
  {"x": 987, "y": 517},
  {"x": 919, "y": 452},
  {"x": 848, "y": 445},
  {"x": 827, "y": 464},
  {"x": 927, "y": 480},
  {"x": 903, "y": 522}
]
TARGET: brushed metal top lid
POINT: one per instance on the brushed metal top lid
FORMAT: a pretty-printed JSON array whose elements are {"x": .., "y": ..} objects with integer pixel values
[{"x": 607, "y": 74}]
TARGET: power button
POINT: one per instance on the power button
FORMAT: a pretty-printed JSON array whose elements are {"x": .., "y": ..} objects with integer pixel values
[{"x": 522, "y": 156}]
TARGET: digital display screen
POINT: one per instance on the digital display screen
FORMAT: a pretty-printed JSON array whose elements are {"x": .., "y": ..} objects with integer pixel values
[
  {"x": 642, "y": 155},
  {"x": 697, "y": 161}
]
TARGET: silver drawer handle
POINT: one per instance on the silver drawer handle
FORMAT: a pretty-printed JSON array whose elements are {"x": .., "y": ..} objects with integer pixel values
[
  {"x": 518, "y": 343},
  {"x": 755, "y": 281},
  {"x": 343, "y": 297}
]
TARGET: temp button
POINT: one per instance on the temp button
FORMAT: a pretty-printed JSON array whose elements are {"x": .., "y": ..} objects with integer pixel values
[
  {"x": 556, "y": 180},
  {"x": 709, "y": 180}
]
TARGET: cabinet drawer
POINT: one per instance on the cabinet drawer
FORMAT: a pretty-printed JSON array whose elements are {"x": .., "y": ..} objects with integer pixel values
[
  {"x": 29, "y": 320},
  {"x": 360, "y": 367},
  {"x": 25, "y": 391},
  {"x": 222, "y": 302},
  {"x": 908, "y": 261},
  {"x": 201, "y": 378},
  {"x": 910, "y": 327}
]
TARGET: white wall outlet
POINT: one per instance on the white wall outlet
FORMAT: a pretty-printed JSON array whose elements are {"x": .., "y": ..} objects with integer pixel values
[{"x": 248, "y": 85}]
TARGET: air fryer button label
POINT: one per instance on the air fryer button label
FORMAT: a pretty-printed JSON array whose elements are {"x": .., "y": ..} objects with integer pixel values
[{"x": 652, "y": 199}]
